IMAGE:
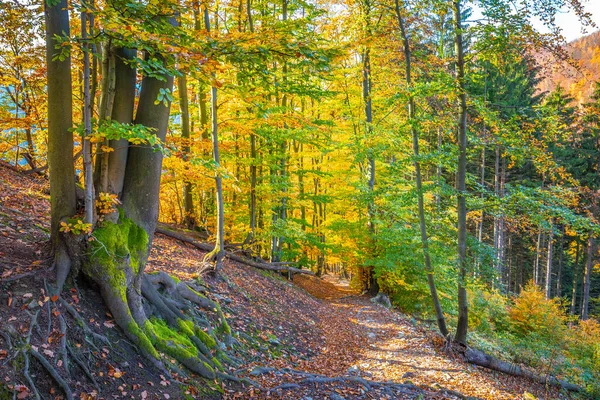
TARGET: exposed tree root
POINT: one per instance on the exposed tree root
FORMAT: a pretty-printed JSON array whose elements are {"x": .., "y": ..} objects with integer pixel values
[
  {"x": 63, "y": 344},
  {"x": 53, "y": 373},
  {"x": 309, "y": 378},
  {"x": 83, "y": 367},
  {"x": 206, "y": 247},
  {"x": 71, "y": 310},
  {"x": 482, "y": 359},
  {"x": 28, "y": 377}
]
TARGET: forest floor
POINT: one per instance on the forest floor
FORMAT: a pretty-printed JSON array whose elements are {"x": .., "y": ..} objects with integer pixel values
[{"x": 307, "y": 339}]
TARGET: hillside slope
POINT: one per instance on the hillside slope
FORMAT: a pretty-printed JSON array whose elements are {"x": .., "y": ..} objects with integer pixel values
[
  {"x": 579, "y": 82},
  {"x": 310, "y": 339}
]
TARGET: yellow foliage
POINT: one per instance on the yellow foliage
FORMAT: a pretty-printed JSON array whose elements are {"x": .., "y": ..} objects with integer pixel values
[
  {"x": 107, "y": 203},
  {"x": 533, "y": 313}
]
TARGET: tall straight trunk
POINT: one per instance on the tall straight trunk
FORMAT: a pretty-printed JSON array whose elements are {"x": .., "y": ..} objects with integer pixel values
[
  {"x": 560, "y": 262},
  {"x": 219, "y": 250},
  {"x": 188, "y": 203},
  {"x": 536, "y": 264},
  {"x": 371, "y": 282},
  {"x": 587, "y": 278},
  {"x": 549, "y": 260},
  {"x": 575, "y": 272},
  {"x": 253, "y": 153},
  {"x": 284, "y": 144},
  {"x": 87, "y": 123},
  {"x": 419, "y": 186},
  {"x": 461, "y": 174},
  {"x": 60, "y": 136}
]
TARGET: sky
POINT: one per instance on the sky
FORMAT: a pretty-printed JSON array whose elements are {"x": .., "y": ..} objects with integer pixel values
[
  {"x": 567, "y": 20},
  {"x": 571, "y": 25}
]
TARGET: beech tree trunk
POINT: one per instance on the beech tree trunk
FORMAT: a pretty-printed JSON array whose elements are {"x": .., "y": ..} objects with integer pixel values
[
  {"x": 219, "y": 249},
  {"x": 189, "y": 219},
  {"x": 461, "y": 173},
  {"x": 420, "y": 203},
  {"x": 60, "y": 137}
]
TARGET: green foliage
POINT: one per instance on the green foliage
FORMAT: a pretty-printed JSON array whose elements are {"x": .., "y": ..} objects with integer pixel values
[{"x": 488, "y": 310}]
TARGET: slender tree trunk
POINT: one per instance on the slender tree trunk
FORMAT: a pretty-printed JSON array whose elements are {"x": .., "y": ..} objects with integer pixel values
[
  {"x": 587, "y": 278},
  {"x": 219, "y": 250},
  {"x": 549, "y": 262},
  {"x": 87, "y": 123},
  {"x": 575, "y": 278},
  {"x": 420, "y": 203},
  {"x": 461, "y": 173},
  {"x": 371, "y": 281},
  {"x": 560, "y": 262},
  {"x": 536, "y": 264},
  {"x": 189, "y": 219},
  {"x": 60, "y": 137}
]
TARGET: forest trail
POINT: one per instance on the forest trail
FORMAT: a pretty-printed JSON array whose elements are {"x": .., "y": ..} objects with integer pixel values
[
  {"x": 310, "y": 339},
  {"x": 396, "y": 350}
]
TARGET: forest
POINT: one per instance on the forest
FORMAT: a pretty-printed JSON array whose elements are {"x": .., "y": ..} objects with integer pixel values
[{"x": 245, "y": 197}]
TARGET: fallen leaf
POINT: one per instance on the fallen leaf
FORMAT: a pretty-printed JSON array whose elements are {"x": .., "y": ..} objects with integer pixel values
[{"x": 109, "y": 324}]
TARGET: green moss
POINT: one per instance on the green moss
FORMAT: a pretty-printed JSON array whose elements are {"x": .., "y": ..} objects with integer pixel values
[
  {"x": 143, "y": 341},
  {"x": 223, "y": 327},
  {"x": 217, "y": 364},
  {"x": 115, "y": 242},
  {"x": 186, "y": 326},
  {"x": 170, "y": 341},
  {"x": 208, "y": 366},
  {"x": 205, "y": 338}
]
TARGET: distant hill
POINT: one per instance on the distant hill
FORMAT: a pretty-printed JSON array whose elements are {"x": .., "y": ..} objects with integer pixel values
[{"x": 579, "y": 82}]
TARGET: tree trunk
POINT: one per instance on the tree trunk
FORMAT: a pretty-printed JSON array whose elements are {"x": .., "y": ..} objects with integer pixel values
[
  {"x": 217, "y": 253},
  {"x": 549, "y": 262},
  {"x": 87, "y": 123},
  {"x": 587, "y": 278},
  {"x": 575, "y": 272},
  {"x": 560, "y": 262},
  {"x": 189, "y": 219},
  {"x": 60, "y": 137},
  {"x": 536, "y": 264},
  {"x": 461, "y": 173},
  {"x": 372, "y": 285},
  {"x": 420, "y": 203}
]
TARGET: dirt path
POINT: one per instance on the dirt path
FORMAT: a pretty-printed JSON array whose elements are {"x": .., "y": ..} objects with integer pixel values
[{"x": 390, "y": 348}]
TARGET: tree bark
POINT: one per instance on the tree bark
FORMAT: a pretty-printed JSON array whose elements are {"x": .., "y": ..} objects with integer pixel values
[
  {"x": 219, "y": 249},
  {"x": 122, "y": 111},
  {"x": 87, "y": 122},
  {"x": 587, "y": 278},
  {"x": 420, "y": 203},
  {"x": 575, "y": 278},
  {"x": 188, "y": 204},
  {"x": 484, "y": 360},
  {"x": 461, "y": 173},
  {"x": 60, "y": 137},
  {"x": 549, "y": 262}
]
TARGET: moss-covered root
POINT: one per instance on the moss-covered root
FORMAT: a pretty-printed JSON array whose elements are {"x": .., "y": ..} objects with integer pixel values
[{"x": 178, "y": 346}]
